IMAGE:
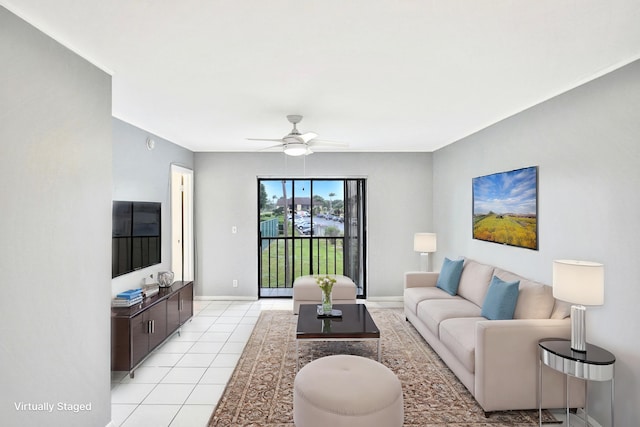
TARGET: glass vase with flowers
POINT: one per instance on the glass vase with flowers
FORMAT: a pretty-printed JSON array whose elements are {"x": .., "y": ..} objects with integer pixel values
[{"x": 326, "y": 285}]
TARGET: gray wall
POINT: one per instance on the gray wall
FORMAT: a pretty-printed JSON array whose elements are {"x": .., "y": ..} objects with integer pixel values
[
  {"x": 55, "y": 161},
  {"x": 143, "y": 175},
  {"x": 586, "y": 144},
  {"x": 398, "y": 204}
]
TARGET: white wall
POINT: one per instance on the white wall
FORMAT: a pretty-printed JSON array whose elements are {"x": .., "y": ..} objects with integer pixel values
[
  {"x": 587, "y": 146},
  {"x": 140, "y": 174},
  {"x": 398, "y": 205},
  {"x": 55, "y": 166}
]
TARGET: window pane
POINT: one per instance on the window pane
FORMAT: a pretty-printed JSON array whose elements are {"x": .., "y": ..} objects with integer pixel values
[
  {"x": 328, "y": 208},
  {"x": 275, "y": 207},
  {"x": 302, "y": 225}
]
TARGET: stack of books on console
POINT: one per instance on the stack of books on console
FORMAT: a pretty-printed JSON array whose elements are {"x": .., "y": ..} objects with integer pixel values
[
  {"x": 127, "y": 298},
  {"x": 150, "y": 290}
]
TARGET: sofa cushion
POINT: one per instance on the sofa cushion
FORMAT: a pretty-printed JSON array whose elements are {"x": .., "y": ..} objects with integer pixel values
[
  {"x": 535, "y": 300},
  {"x": 449, "y": 277},
  {"x": 414, "y": 296},
  {"x": 561, "y": 310},
  {"x": 474, "y": 281},
  {"x": 432, "y": 312},
  {"x": 500, "y": 302},
  {"x": 459, "y": 336}
]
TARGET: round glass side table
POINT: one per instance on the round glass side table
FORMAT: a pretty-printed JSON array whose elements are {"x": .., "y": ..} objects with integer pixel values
[{"x": 595, "y": 364}]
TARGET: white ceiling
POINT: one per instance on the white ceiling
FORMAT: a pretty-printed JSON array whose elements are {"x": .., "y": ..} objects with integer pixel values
[{"x": 381, "y": 75}]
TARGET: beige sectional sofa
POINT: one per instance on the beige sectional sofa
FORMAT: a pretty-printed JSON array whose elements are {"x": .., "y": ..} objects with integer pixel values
[{"x": 497, "y": 360}]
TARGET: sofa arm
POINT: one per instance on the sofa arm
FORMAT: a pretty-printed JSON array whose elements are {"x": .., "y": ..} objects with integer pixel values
[
  {"x": 414, "y": 279},
  {"x": 507, "y": 360}
]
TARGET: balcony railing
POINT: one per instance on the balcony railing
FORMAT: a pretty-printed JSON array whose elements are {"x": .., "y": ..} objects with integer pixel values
[{"x": 300, "y": 255}]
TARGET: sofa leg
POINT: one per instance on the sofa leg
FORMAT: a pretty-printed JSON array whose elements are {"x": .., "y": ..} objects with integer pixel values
[{"x": 486, "y": 414}]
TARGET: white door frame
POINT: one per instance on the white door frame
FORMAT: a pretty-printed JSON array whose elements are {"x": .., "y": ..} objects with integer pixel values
[{"x": 182, "y": 244}]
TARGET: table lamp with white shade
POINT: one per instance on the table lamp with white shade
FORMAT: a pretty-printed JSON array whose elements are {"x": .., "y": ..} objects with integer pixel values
[
  {"x": 425, "y": 243},
  {"x": 580, "y": 283}
]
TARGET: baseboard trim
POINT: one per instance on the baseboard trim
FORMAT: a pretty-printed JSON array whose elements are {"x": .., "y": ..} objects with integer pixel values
[
  {"x": 224, "y": 298},
  {"x": 383, "y": 299}
]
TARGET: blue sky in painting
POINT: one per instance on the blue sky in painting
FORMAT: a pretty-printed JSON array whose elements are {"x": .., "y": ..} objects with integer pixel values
[
  {"x": 506, "y": 192},
  {"x": 303, "y": 188}
]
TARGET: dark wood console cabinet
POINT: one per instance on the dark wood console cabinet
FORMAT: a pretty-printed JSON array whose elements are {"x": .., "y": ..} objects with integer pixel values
[{"x": 137, "y": 330}]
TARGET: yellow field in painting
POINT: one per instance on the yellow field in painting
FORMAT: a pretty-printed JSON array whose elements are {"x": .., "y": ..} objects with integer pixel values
[{"x": 506, "y": 229}]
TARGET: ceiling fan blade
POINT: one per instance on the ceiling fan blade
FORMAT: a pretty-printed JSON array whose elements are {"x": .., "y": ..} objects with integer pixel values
[
  {"x": 264, "y": 139},
  {"x": 308, "y": 136},
  {"x": 271, "y": 147}
]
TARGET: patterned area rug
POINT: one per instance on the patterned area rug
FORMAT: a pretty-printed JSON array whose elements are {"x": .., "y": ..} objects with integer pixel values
[{"x": 260, "y": 391}]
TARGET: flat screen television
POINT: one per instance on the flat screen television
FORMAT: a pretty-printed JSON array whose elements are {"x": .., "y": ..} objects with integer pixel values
[{"x": 135, "y": 236}]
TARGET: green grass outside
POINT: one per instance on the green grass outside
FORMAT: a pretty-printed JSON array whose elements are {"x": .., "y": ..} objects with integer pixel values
[{"x": 327, "y": 258}]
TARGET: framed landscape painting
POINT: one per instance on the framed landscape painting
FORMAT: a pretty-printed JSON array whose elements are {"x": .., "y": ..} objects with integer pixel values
[{"x": 505, "y": 208}]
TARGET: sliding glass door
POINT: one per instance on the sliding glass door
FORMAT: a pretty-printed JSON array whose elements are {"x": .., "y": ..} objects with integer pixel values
[
  {"x": 354, "y": 231},
  {"x": 310, "y": 226}
]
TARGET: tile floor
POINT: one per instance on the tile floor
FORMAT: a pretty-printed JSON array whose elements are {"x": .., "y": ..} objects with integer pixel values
[{"x": 180, "y": 383}]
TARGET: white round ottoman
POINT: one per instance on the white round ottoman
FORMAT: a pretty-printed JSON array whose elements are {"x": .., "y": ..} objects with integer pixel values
[{"x": 347, "y": 391}]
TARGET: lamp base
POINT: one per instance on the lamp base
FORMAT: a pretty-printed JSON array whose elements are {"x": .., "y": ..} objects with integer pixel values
[
  {"x": 578, "y": 329},
  {"x": 424, "y": 261}
]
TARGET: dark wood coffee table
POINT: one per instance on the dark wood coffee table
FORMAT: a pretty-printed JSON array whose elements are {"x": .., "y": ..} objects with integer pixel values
[{"x": 355, "y": 324}]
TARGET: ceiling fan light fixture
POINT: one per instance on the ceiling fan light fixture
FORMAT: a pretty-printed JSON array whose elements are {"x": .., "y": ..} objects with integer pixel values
[
  {"x": 295, "y": 143},
  {"x": 295, "y": 149}
]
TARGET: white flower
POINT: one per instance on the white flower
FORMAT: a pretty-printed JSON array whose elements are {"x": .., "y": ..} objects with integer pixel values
[{"x": 326, "y": 283}]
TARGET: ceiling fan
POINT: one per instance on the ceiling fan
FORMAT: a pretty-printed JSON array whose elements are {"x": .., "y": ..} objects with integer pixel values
[{"x": 296, "y": 143}]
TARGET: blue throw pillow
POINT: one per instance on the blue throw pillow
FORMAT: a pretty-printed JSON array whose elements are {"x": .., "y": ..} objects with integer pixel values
[
  {"x": 501, "y": 299},
  {"x": 449, "y": 277}
]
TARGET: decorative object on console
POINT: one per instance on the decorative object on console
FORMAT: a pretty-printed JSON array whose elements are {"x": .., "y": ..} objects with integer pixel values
[
  {"x": 165, "y": 278},
  {"x": 580, "y": 283},
  {"x": 425, "y": 243},
  {"x": 128, "y": 298},
  {"x": 505, "y": 208},
  {"x": 326, "y": 285},
  {"x": 150, "y": 290}
]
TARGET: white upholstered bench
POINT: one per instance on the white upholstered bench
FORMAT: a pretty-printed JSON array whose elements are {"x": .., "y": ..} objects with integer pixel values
[
  {"x": 307, "y": 291},
  {"x": 347, "y": 391}
]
